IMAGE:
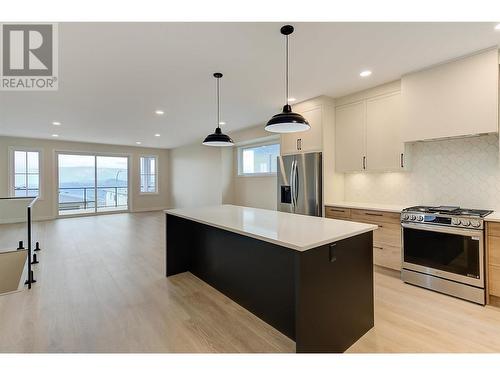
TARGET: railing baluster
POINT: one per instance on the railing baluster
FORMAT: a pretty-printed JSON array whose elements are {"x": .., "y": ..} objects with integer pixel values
[{"x": 86, "y": 199}]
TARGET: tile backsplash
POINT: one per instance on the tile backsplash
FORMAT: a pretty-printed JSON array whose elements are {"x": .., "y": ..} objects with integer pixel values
[{"x": 463, "y": 171}]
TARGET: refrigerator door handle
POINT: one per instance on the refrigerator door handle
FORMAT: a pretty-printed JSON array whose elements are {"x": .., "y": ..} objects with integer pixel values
[
  {"x": 296, "y": 184},
  {"x": 291, "y": 184}
]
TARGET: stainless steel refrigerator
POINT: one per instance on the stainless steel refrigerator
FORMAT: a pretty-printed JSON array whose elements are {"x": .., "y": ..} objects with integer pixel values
[{"x": 300, "y": 182}]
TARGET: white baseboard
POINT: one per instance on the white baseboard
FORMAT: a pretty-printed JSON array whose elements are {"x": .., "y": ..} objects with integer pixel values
[
  {"x": 45, "y": 218},
  {"x": 149, "y": 209},
  {"x": 23, "y": 219}
]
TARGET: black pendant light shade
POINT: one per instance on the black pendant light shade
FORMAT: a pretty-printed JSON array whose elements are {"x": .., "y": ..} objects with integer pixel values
[
  {"x": 218, "y": 138},
  {"x": 287, "y": 121}
]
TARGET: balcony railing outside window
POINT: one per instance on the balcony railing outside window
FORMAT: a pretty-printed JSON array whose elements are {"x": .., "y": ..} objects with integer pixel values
[{"x": 83, "y": 198}]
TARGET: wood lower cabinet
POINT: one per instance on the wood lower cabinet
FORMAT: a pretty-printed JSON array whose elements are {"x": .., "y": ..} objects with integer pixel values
[
  {"x": 493, "y": 259},
  {"x": 375, "y": 216},
  {"x": 337, "y": 212},
  {"x": 386, "y": 239}
]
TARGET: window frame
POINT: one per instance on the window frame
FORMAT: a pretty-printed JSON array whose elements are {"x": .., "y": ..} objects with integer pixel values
[
  {"x": 12, "y": 169},
  {"x": 239, "y": 156},
  {"x": 157, "y": 188}
]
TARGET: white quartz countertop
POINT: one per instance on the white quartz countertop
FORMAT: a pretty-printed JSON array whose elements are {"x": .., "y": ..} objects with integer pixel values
[
  {"x": 371, "y": 206},
  {"x": 298, "y": 232},
  {"x": 494, "y": 216}
]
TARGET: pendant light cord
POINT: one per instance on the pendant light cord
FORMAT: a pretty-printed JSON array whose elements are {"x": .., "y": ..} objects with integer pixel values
[
  {"x": 218, "y": 103},
  {"x": 286, "y": 70}
]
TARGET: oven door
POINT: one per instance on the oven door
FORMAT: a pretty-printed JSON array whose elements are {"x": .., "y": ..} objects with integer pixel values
[{"x": 450, "y": 253}]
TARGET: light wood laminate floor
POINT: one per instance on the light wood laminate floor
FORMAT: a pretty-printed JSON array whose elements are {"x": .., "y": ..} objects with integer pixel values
[{"x": 101, "y": 288}]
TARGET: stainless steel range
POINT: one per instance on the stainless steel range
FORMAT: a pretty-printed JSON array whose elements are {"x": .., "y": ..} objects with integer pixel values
[{"x": 443, "y": 250}]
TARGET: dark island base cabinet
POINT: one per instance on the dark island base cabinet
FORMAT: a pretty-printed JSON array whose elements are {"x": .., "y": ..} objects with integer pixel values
[{"x": 321, "y": 298}]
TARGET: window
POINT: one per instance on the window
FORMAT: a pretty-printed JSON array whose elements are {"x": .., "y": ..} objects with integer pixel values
[
  {"x": 25, "y": 175},
  {"x": 149, "y": 171},
  {"x": 258, "y": 159}
]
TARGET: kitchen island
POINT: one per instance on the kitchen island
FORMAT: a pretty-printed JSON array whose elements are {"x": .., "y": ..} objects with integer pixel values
[{"x": 309, "y": 277}]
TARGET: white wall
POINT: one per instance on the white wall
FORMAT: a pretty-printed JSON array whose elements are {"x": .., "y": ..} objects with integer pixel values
[
  {"x": 259, "y": 192},
  {"x": 202, "y": 175},
  {"x": 253, "y": 191},
  {"x": 46, "y": 208},
  {"x": 196, "y": 176},
  {"x": 463, "y": 172}
]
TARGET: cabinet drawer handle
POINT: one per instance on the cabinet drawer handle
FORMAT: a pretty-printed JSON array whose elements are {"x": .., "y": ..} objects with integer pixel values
[
  {"x": 372, "y": 214},
  {"x": 402, "y": 160},
  {"x": 299, "y": 144},
  {"x": 335, "y": 210},
  {"x": 364, "y": 162},
  {"x": 378, "y": 247},
  {"x": 332, "y": 257}
]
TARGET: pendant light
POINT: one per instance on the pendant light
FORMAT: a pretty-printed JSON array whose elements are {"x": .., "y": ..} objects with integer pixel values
[
  {"x": 218, "y": 138},
  {"x": 287, "y": 121}
]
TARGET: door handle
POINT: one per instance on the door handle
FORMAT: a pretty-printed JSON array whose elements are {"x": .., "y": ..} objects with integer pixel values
[
  {"x": 402, "y": 160},
  {"x": 291, "y": 183},
  {"x": 296, "y": 182},
  {"x": 364, "y": 162},
  {"x": 332, "y": 256}
]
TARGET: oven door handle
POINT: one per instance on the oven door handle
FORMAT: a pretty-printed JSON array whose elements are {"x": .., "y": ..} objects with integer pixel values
[{"x": 435, "y": 228}]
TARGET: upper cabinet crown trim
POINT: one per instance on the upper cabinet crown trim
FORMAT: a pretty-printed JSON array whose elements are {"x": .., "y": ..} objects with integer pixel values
[
  {"x": 387, "y": 88},
  {"x": 455, "y": 59}
]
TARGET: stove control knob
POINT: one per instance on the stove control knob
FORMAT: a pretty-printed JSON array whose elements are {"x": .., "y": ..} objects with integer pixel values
[
  {"x": 405, "y": 217},
  {"x": 475, "y": 223},
  {"x": 420, "y": 218},
  {"x": 412, "y": 217},
  {"x": 455, "y": 221},
  {"x": 465, "y": 222}
]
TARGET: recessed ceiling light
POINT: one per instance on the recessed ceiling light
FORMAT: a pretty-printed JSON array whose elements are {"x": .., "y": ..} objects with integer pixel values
[
  {"x": 157, "y": 135},
  {"x": 56, "y": 123},
  {"x": 497, "y": 27},
  {"x": 365, "y": 73},
  {"x": 159, "y": 112},
  {"x": 138, "y": 142},
  {"x": 55, "y": 135},
  {"x": 222, "y": 123},
  {"x": 291, "y": 99}
]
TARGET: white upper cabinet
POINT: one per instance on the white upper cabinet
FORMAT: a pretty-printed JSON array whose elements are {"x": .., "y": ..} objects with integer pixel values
[
  {"x": 350, "y": 137},
  {"x": 384, "y": 147},
  {"x": 368, "y": 132},
  {"x": 458, "y": 98},
  {"x": 310, "y": 140}
]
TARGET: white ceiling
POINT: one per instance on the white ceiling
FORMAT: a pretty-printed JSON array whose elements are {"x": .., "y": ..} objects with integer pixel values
[{"x": 113, "y": 76}]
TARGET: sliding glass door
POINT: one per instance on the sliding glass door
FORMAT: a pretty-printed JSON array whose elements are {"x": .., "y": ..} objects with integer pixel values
[
  {"x": 92, "y": 183},
  {"x": 112, "y": 183}
]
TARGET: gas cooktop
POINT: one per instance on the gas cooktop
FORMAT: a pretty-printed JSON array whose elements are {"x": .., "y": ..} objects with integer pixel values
[
  {"x": 451, "y": 216},
  {"x": 448, "y": 210}
]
